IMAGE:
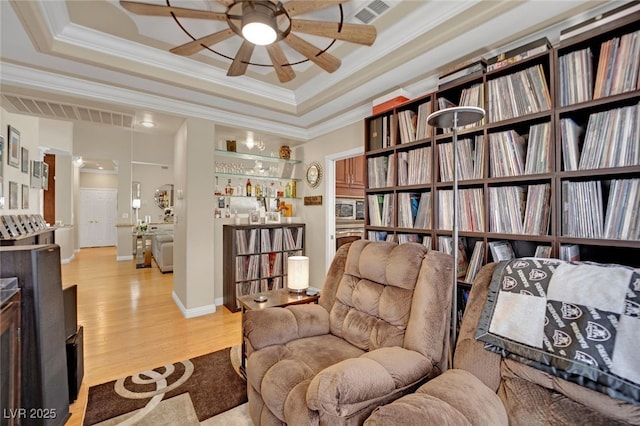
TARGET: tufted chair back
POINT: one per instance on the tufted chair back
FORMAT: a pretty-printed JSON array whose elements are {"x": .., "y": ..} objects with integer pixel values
[{"x": 378, "y": 305}]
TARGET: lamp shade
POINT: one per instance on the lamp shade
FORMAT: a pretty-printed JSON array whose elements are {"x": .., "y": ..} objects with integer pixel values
[
  {"x": 298, "y": 273},
  {"x": 136, "y": 203}
]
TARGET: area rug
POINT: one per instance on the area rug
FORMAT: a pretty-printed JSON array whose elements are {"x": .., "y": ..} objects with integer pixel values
[{"x": 189, "y": 392}]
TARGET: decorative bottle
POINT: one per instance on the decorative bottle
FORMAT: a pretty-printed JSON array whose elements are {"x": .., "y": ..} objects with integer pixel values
[
  {"x": 248, "y": 187},
  {"x": 228, "y": 190}
]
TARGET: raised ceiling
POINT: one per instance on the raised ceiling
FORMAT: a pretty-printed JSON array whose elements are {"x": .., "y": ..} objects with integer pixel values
[{"x": 94, "y": 54}]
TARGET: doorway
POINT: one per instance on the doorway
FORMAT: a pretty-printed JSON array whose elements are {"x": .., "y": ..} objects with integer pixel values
[
  {"x": 330, "y": 191},
  {"x": 97, "y": 217}
]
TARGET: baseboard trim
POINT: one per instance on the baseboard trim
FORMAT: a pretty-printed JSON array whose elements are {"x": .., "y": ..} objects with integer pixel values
[
  {"x": 219, "y": 301},
  {"x": 195, "y": 312},
  {"x": 122, "y": 258},
  {"x": 67, "y": 260}
]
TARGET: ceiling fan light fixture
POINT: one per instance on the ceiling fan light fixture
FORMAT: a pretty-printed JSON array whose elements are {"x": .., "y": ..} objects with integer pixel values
[{"x": 259, "y": 23}]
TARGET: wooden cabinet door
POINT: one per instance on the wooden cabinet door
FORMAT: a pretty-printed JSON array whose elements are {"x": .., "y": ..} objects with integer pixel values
[
  {"x": 357, "y": 172},
  {"x": 342, "y": 175}
]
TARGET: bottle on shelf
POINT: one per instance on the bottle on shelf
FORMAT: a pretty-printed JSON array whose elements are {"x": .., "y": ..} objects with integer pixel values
[
  {"x": 280, "y": 192},
  {"x": 258, "y": 189},
  {"x": 272, "y": 189},
  {"x": 217, "y": 190},
  {"x": 287, "y": 190},
  {"x": 248, "y": 187},
  {"x": 294, "y": 190},
  {"x": 227, "y": 212},
  {"x": 228, "y": 190}
]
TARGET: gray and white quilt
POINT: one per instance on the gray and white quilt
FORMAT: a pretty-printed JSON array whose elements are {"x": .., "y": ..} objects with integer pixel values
[{"x": 579, "y": 321}]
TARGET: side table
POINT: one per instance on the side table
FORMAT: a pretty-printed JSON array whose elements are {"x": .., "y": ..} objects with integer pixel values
[
  {"x": 142, "y": 246},
  {"x": 275, "y": 298}
]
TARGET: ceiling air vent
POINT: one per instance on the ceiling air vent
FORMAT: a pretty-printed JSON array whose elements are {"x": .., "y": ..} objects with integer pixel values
[
  {"x": 50, "y": 109},
  {"x": 372, "y": 11}
]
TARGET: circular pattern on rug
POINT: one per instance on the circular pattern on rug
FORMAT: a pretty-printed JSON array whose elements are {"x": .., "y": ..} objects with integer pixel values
[{"x": 151, "y": 377}]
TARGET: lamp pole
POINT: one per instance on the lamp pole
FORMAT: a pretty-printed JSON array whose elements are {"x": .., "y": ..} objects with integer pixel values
[{"x": 453, "y": 118}]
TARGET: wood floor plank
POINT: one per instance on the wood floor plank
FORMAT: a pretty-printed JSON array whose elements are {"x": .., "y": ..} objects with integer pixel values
[{"x": 131, "y": 322}]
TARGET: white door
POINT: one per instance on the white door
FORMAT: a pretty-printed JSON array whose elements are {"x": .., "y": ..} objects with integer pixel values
[{"x": 97, "y": 217}]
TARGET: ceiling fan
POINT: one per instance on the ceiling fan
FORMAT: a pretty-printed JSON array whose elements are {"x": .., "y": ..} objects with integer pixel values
[{"x": 265, "y": 23}]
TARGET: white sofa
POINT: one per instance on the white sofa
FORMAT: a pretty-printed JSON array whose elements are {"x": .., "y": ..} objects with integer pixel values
[{"x": 162, "y": 250}]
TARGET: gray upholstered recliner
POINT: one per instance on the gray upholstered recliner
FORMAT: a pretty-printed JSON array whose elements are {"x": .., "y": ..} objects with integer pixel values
[{"x": 379, "y": 331}]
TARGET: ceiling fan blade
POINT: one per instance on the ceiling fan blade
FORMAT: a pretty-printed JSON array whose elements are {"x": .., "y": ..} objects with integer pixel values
[
  {"x": 326, "y": 61},
  {"x": 284, "y": 73},
  {"x": 354, "y": 33},
  {"x": 295, "y": 8},
  {"x": 160, "y": 10},
  {"x": 241, "y": 61},
  {"x": 197, "y": 45}
]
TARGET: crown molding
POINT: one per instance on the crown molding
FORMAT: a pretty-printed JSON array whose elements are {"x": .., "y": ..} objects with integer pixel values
[{"x": 15, "y": 75}]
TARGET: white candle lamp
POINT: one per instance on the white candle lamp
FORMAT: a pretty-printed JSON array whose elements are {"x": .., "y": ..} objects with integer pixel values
[{"x": 298, "y": 273}]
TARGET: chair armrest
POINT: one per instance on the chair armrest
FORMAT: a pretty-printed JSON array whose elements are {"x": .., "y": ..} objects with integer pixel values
[
  {"x": 277, "y": 326},
  {"x": 454, "y": 397},
  {"x": 353, "y": 384}
]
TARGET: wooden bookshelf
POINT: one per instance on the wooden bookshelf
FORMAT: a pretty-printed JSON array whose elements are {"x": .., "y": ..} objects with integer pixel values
[
  {"x": 255, "y": 258},
  {"x": 540, "y": 129}
]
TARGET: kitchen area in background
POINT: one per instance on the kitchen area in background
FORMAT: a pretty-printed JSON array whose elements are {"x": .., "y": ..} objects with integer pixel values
[{"x": 350, "y": 199}]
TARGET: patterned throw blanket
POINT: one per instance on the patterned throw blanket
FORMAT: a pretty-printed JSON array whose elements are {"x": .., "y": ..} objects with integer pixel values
[{"x": 579, "y": 321}]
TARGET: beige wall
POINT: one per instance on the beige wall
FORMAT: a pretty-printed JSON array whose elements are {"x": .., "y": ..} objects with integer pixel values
[
  {"x": 315, "y": 217},
  {"x": 98, "y": 180},
  {"x": 151, "y": 177},
  {"x": 193, "y": 250},
  {"x": 29, "y": 139}
]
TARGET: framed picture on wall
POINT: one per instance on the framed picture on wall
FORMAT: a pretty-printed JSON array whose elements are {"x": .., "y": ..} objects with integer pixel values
[
  {"x": 2, "y": 149},
  {"x": 36, "y": 174},
  {"x": 13, "y": 147},
  {"x": 45, "y": 175},
  {"x": 25, "y": 196},
  {"x": 24, "y": 160},
  {"x": 13, "y": 195}
]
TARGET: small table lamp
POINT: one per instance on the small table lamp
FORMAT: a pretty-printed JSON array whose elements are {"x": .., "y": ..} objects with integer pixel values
[
  {"x": 453, "y": 118},
  {"x": 298, "y": 273}
]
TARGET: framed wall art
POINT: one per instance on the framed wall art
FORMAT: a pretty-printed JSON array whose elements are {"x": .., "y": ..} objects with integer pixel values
[
  {"x": 1, "y": 194},
  {"x": 25, "y": 196},
  {"x": 13, "y": 147},
  {"x": 13, "y": 195},
  {"x": 45, "y": 176},
  {"x": 24, "y": 160},
  {"x": 2, "y": 149},
  {"x": 36, "y": 174}
]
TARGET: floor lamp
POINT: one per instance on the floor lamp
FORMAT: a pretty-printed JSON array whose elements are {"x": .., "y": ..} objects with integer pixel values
[{"x": 453, "y": 118}]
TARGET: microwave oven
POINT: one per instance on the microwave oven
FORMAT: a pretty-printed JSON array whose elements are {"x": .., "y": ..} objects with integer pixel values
[{"x": 349, "y": 209}]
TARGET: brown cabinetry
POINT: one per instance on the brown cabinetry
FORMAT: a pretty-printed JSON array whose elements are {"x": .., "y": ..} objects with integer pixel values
[
  {"x": 543, "y": 170},
  {"x": 350, "y": 176}
]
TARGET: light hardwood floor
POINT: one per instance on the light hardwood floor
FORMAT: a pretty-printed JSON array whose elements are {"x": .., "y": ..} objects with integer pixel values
[{"x": 131, "y": 322}]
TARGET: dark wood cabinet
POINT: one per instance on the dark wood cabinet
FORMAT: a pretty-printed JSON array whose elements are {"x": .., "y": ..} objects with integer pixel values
[
  {"x": 574, "y": 190},
  {"x": 255, "y": 258},
  {"x": 44, "y": 389},
  {"x": 350, "y": 177}
]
